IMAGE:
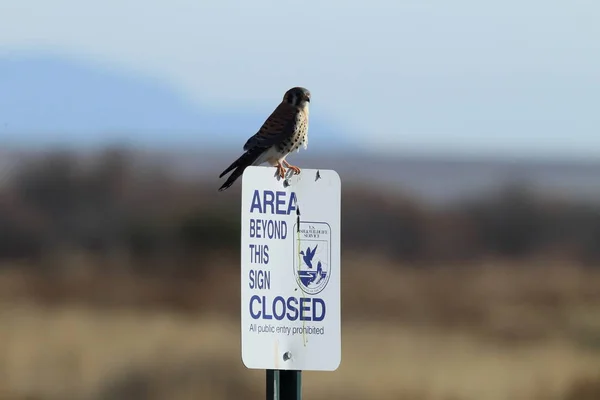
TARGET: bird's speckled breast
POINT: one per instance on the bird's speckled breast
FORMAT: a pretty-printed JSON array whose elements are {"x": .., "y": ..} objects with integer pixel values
[{"x": 299, "y": 137}]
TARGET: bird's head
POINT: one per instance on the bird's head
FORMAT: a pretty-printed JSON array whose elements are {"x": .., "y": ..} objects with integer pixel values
[{"x": 297, "y": 97}]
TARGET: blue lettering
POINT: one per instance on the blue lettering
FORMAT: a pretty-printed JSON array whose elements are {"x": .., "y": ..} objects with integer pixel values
[
  {"x": 259, "y": 253},
  {"x": 292, "y": 302},
  {"x": 303, "y": 308},
  {"x": 252, "y": 313},
  {"x": 273, "y": 202},
  {"x": 264, "y": 310},
  {"x": 292, "y": 203},
  {"x": 269, "y": 199},
  {"x": 320, "y": 317},
  {"x": 280, "y": 202},
  {"x": 267, "y": 229},
  {"x": 259, "y": 279},
  {"x": 255, "y": 202},
  {"x": 252, "y": 282},
  {"x": 282, "y": 231},
  {"x": 281, "y": 308},
  {"x": 252, "y": 228},
  {"x": 279, "y": 316}
]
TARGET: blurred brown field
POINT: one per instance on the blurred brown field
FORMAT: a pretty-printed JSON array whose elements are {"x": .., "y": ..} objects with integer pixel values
[
  {"x": 121, "y": 283},
  {"x": 479, "y": 332}
]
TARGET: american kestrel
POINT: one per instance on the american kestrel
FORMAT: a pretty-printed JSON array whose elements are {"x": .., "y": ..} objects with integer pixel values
[{"x": 284, "y": 131}]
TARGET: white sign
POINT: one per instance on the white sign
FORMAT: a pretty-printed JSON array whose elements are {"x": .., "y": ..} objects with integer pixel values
[{"x": 291, "y": 316}]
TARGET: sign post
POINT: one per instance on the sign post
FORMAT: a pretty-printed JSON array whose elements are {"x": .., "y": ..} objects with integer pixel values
[{"x": 290, "y": 276}]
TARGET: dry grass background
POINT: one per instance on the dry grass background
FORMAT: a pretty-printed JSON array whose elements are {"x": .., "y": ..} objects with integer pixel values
[
  {"x": 483, "y": 332},
  {"x": 110, "y": 288}
]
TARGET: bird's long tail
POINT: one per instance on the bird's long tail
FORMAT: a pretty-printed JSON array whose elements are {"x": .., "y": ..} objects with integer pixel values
[{"x": 245, "y": 160}]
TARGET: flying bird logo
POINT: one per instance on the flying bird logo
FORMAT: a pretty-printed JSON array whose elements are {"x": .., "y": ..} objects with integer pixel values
[{"x": 309, "y": 255}]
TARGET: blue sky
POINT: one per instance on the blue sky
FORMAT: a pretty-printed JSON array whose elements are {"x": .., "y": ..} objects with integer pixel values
[{"x": 510, "y": 77}]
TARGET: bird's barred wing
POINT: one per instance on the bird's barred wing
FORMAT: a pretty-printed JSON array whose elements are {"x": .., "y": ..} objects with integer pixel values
[{"x": 279, "y": 126}]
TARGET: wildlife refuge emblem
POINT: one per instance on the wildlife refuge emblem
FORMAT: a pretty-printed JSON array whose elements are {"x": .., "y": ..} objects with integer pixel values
[{"x": 312, "y": 258}]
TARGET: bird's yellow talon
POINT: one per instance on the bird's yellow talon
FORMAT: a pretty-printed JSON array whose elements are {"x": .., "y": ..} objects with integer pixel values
[
  {"x": 281, "y": 171},
  {"x": 295, "y": 169}
]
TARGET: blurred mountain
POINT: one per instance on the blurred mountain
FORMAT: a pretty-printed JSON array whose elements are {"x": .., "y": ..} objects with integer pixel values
[{"x": 49, "y": 100}]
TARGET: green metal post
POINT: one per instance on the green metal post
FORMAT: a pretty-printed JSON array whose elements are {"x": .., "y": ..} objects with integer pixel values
[
  {"x": 283, "y": 385},
  {"x": 290, "y": 385},
  {"x": 272, "y": 385}
]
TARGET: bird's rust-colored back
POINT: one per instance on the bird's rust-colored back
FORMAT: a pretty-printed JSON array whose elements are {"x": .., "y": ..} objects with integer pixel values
[{"x": 279, "y": 126}]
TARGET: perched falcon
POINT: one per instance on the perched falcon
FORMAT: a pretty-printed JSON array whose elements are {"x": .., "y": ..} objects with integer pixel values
[{"x": 284, "y": 131}]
